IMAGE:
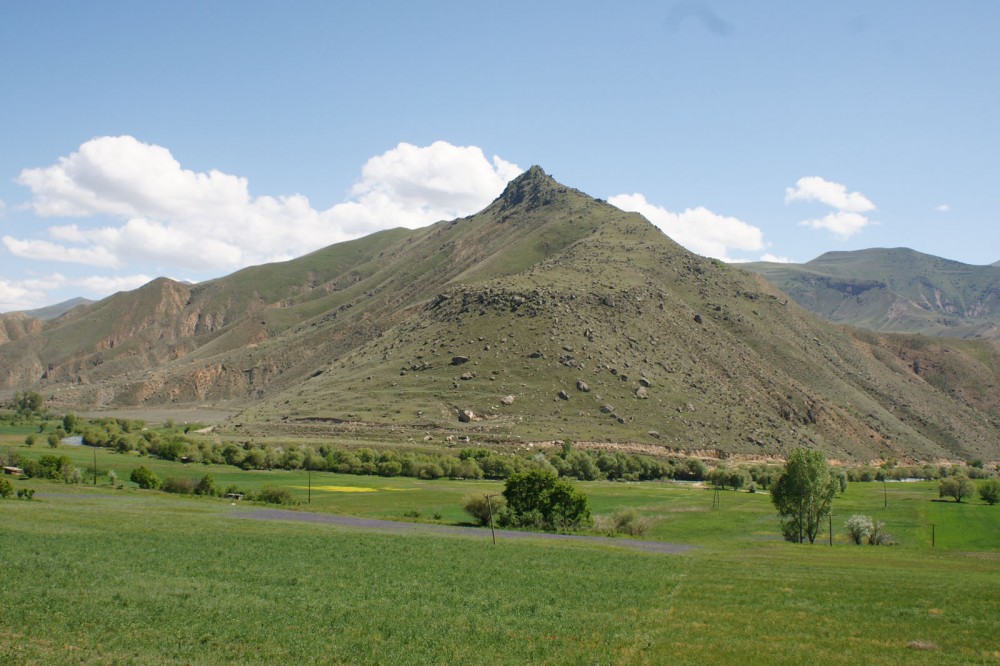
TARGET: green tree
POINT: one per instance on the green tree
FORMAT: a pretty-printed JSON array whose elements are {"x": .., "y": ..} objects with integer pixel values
[
  {"x": 69, "y": 422},
  {"x": 480, "y": 508},
  {"x": 206, "y": 486},
  {"x": 803, "y": 493},
  {"x": 28, "y": 403},
  {"x": 29, "y": 440},
  {"x": 539, "y": 497},
  {"x": 958, "y": 487},
  {"x": 144, "y": 478},
  {"x": 6, "y": 488},
  {"x": 989, "y": 491},
  {"x": 53, "y": 440}
]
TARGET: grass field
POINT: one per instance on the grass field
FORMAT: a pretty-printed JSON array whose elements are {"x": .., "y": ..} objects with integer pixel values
[{"x": 100, "y": 575}]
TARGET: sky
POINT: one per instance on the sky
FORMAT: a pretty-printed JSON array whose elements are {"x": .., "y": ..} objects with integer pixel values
[{"x": 191, "y": 139}]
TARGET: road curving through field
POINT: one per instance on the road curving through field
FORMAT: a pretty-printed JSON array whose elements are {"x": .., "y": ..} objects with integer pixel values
[{"x": 425, "y": 528}]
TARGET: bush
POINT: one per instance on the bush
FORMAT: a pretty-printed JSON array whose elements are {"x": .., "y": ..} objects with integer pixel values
[
  {"x": 273, "y": 495},
  {"x": 144, "y": 478},
  {"x": 180, "y": 486},
  {"x": 6, "y": 489},
  {"x": 478, "y": 507},
  {"x": 53, "y": 440},
  {"x": 859, "y": 528},
  {"x": 29, "y": 440},
  {"x": 622, "y": 521},
  {"x": 206, "y": 486},
  {"x": 989, "y": 491},
  {"x": 862, "y": 529}
]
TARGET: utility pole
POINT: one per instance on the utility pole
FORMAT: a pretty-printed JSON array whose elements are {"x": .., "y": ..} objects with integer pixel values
[
  {"x": 489, "y": 503},
  {"x": 932, "y": 534}
]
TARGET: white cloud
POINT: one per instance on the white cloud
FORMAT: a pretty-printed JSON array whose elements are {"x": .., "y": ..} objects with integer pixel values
[
  {"x": 698, "y": 229},
  {"x": 100, "y": 285},
  {"x": 943, "y": 208},
  {"x": 842, "y": 225},
  {"x": 26, "y": 294},
  {"x": 835, "y": 195},
  {"x": 48, "y": 251},
  {"x": 169, "y": 216},
  {"x": 847, "y": 220},
  {"x": 767, "y": 256}
]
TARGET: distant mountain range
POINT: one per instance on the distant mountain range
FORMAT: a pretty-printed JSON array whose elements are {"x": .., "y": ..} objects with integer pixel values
[
  {"x": 550, "y": 315},
  {"x": 896, "y": 290}
]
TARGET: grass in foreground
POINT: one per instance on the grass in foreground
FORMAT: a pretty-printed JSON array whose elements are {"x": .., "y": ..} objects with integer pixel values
[{"x": 146, "y": 577}]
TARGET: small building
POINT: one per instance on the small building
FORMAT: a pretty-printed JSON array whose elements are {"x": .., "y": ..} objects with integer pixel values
[{"x": 13, "y": 471}]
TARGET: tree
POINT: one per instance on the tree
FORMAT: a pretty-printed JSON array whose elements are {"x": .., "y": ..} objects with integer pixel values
[
  {"x": 539, "y": 498},
  {"x": 989, "y": 491},
  {"x": 28, "y": 403},
  {"x": 53, "y": 440},
  {"x": 144, "y": 478},
  {"x": 206, "y": 486},
  {"x": 803, "y": 493},
  {"x": 958, "y": 487},
  {"x": 29, "y": 440},
  {"x": 481, "y": 508}
]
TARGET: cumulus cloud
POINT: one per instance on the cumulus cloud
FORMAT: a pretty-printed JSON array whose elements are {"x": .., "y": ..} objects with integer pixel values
[
  {"x": 698, "y": 229},
  {"x": 169, "y": 216},
  {"x": 840, "y": 224},
  {"x": 835, "y": 195},
  {"x": 28, "y": 293},
  {"x": 767, "y": 256},
  {"x": 847, "y": 219},
  {"x": 101, "y": 285}
]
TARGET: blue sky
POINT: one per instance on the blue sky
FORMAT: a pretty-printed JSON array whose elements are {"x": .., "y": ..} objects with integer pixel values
[{"x": 189, "y": 139}]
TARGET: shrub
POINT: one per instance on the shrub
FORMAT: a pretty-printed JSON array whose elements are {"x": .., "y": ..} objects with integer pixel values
[
  {"x": 6, "y": 489},
  {"x": 859, "y": 528},
  {"x": 989, "y": 491},
  {"x": 623, "y": 521},
  {"x": 862, "y": 529},
  {"x": 273, "y": 495},
  {"x": 53, "y": 439},
  {"x": 29, "y": 440},
  {"x": 478, "y": 506},
  {"x": 180, "y": 486},
  {"x": 206, "y": 486},
  {"x": 144, "y": 478}
]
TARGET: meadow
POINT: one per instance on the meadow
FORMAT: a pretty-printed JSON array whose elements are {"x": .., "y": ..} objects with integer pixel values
[{"x": 100, "y": 574}]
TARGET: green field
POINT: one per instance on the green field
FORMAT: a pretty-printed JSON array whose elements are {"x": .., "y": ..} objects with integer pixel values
[{"x": 103, "y": 575}]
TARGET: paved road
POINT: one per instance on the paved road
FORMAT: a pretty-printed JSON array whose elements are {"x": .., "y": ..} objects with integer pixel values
[{"x": 425, "y": 528}]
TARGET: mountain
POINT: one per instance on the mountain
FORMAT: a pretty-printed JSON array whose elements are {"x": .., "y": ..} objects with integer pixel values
[
  {"x": 548, "y": 315},
  {"x": 57, "y": 310},
  {"x": 897, "y": 290}
]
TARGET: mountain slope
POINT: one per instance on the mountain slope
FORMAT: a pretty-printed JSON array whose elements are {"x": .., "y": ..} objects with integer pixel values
[
  {"x": 548, "y": 315},
  {"x": 897, "y": 290}
]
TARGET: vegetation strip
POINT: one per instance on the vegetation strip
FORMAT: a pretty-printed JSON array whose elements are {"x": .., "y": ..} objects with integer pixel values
[{"x": 398, "y": 527}]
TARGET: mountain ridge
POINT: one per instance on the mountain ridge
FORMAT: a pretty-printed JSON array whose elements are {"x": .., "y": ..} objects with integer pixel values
[
  {"x": 548, "y": 315},
  {"x": 895, "y": 290}
]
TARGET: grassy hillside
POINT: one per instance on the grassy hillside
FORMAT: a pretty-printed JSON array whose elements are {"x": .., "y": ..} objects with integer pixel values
[
  {"x": 896, "y": 290},
  {"x": 548, "y": 315}
]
